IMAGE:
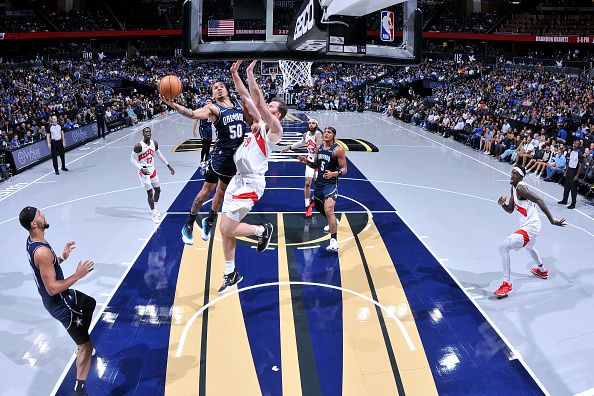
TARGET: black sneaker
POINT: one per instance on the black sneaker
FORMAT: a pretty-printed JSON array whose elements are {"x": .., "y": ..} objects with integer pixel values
[
  {"x": 229, "y": 280},
  {"x": 264, "y": 239},
  {"x": 65, "y": 169}
]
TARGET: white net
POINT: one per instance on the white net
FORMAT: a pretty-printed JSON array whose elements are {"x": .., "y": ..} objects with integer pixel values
[{"x": 295, "y": 72}]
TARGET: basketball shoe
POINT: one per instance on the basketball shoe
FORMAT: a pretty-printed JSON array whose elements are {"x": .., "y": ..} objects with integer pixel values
[
  {"x": 541, "y": 274},
  {"x": 264, "y": 239},
  {"x": 309, "y": 209},
  {"x": 504, "y": 290},
  {"x": 333, "y": 246},
  {"x": 156, "y": 216},
  {"x": 186, "y": 232},
  {"x": 229, "y": 280},
  {"x": 206, "y": 228}
]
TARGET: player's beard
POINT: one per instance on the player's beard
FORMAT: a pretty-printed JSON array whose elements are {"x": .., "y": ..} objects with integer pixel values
[{"x": 45, "y": 225}]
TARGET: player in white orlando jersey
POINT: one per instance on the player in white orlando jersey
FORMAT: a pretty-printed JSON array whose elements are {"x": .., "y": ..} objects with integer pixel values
[
  {"x": 524, "y": 202},
  {"x": 251, "y": 161},
  {"x": 312, "y": 139},
  {"x": 143, "y": 158}
]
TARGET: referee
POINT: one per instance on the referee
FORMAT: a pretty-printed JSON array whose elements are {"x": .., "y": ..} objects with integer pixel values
[
  {"x": 70, "y": 307},
  {"x": 55, "y": 142}
]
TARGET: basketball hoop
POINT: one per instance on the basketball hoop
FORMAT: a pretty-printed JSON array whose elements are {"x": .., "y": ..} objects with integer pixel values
[{"x": 295, "y": 72}]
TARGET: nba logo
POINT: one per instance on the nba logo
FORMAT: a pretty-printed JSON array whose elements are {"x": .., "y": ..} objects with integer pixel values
[{"x": 387, "y": 26}]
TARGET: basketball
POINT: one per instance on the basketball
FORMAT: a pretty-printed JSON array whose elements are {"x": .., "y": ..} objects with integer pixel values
[{"x": 170, "y": 87}]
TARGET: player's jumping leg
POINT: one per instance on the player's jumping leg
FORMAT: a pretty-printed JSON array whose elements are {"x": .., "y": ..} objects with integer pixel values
[
  {"x": 204, "y": 193},
  {"x": 332, "y": 224},
  {"x": 309, "y": 204},
  {"x": 231, "y": 229}
]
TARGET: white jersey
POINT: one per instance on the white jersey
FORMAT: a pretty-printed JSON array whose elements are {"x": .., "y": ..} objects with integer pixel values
[
  {"x": 527, "y": 212},
  {"x": 146, "y": 157},
  {"x": 310, "y": 145},
  {"x": 251, "y": 158}
]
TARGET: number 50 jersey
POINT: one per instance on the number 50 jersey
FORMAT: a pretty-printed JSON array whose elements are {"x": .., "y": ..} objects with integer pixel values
[{"x": 230, "y": 126}]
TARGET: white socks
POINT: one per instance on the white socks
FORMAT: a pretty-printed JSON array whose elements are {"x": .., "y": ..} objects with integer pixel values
[
  {"x": 307, "y": 202},
  {"x": 259, "y": 230},
  {"x": 229, "y": 267}
]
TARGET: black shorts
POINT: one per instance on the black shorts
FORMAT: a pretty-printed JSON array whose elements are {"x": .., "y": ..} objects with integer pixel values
[
  {"x": 220, "y": 167},
  {"x": 74, "y": 311},
  {"x": 206, "y": 134},
  {"x": 325, "y": 191}
]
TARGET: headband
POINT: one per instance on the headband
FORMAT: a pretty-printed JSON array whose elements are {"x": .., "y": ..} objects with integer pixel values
[
  {"x": 520, "y": 171},
  {"x": 26, "y": 216}
]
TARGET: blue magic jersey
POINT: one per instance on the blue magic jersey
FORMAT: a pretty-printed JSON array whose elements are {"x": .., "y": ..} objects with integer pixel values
[
  {"x": 327, "y": 162},
  {"x": 230, "y": 127},
  {"x": 205, "y": 125},
  {"x": 32, "y": 246}
]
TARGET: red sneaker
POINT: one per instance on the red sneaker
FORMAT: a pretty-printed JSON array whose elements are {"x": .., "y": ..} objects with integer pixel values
[
  {"x": 504, "y": 290},
  {"x": 541, "y": 274},
  {"x": 309, "y": 209}
]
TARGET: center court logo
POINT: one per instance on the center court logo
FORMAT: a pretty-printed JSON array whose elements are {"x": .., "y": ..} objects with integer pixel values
[{"x": 387, "y": 26}]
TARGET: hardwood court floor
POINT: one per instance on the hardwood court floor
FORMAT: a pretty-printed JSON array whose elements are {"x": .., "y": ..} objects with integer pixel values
[{"x": 405, "y": 308}]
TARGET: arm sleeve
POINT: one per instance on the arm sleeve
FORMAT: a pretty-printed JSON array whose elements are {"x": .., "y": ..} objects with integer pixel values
[
  {"x": 134, "y": 161},
  {"x": 162, "y": 157},
  {"x": 298, "y": 144}
]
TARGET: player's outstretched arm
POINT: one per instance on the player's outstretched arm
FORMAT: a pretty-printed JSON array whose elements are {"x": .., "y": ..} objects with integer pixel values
[
  {"x": 275, "y": 130},
  {"x": 202, "y": 113},
  {"x": 295, "y": 145},
  {"x": 526, "y": 193},
  {"x": 255, "y": 91},
  {"x": 163, "y": 159},
  {"x": 244, "y": 93}
]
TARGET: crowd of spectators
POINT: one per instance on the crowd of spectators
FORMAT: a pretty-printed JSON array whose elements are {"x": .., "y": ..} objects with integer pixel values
[
  {"x": 490, "y": 108},
  {"x": 517, "y": 116},
  {"x": 453, "y": 21}
]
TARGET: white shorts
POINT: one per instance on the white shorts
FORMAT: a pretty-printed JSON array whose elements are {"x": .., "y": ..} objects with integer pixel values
[
  {"x": 310, "y": 172},
  {"x": 242, "y": 194},
  {"x": 522, "y": 238},
  {"x": 149, "y": 181}
]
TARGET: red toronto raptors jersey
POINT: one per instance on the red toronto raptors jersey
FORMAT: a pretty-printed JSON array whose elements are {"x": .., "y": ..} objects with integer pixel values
[
  {"x": 310, "y": 144},
  {"x": 251, "y": 158},
  {"x": 527, "y": 211},
  {"x": 146, "y": 157}
]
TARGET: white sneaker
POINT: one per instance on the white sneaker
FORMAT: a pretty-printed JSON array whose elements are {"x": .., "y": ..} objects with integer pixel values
[
  {"x": 158, "y": 212},
  {"x": 333, "y": 246},
  {"x": 156, "y": 218}
]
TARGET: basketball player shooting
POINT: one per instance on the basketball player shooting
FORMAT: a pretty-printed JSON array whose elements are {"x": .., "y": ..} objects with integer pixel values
[
  {"x": 227, "y": 115},
  {"x": 251, "y": 160}
]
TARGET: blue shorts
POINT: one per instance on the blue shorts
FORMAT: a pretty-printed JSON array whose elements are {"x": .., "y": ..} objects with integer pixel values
[
  {"x": 221, "y": 166},
  {"x": 205, "y": 133},
  {"x": 325, "y": 191}
]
